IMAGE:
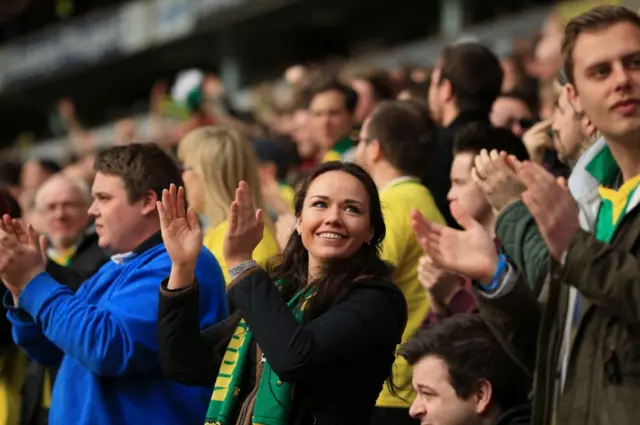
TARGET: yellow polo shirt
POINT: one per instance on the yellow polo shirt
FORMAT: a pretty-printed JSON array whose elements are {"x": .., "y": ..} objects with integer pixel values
[{"x": 401, "y": 248}]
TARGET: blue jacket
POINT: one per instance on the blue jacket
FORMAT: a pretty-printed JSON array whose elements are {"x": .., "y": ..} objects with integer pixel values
[{"x": 106, "y": 336}]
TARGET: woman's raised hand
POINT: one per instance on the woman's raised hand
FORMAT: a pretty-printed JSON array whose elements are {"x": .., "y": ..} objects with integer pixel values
[
  {"x": 245, "y": 229},
  {"x": 181, "y": 231}
]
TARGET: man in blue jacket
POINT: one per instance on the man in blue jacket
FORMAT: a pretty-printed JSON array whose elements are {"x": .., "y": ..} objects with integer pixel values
[{"x": 105, "y": 333}]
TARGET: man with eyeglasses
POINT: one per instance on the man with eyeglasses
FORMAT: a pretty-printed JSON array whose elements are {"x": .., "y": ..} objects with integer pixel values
[{"x": 61, "y": 205}]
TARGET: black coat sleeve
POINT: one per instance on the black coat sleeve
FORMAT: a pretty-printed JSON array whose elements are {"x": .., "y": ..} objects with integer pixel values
[
  {"x": 371, "y": 316},
  {"x": 187, "y": 355}
]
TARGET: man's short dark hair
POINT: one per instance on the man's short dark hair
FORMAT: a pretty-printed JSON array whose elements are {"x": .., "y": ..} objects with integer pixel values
[
  {"x": 381, "y": 85},
  {"x": 406, "y": 133},
  {"x": 477, "y": 136},
  {"x": 333, "y": 84},
  {"x": 472, "y": 353},
  {"x": 474, "y": 73},
  {"x": 142, "y": 167},
  {"x": 598, "y": 18}
]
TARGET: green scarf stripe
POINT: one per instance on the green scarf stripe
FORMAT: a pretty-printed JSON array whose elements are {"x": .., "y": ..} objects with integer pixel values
[
  {"x": 343, "y": 145},
  {"x": 273, "y": 398}
]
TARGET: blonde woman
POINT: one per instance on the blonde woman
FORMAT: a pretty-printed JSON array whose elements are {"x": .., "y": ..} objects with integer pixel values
[{"x": 215, "y": 160}]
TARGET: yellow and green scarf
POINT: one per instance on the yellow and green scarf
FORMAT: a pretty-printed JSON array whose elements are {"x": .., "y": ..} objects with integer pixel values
[{"x": 270, "y": 401}]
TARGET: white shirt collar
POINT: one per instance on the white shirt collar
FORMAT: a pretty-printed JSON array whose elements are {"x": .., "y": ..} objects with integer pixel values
[{"x": 122, "y": 258}]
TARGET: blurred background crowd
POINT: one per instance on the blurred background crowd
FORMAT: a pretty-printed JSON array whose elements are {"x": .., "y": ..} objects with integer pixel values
[{"x": 297, "y": 77}]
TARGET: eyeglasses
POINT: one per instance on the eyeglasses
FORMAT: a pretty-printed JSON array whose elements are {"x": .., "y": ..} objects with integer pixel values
[
  {"x": 68, "y": 207},
  {"x": 185, "y": 168}
]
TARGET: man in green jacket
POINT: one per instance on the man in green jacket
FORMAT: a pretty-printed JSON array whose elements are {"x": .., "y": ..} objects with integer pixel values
[
  {"x": 573, "y": 134},
  {"x": 584, "y": 346}
]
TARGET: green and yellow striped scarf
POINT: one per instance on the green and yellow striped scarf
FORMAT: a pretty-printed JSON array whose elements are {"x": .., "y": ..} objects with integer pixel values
[{"x": 270, "y": 401}]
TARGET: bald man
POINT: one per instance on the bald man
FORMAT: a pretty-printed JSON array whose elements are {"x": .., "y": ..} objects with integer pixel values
[{"x": 61, "y": 205}]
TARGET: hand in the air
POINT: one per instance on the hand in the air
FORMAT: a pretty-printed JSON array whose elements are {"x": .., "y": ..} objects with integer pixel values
[
  {"x": 537, "y": 140},
  {"x": 181, "y": 231},
  {"x": 245, "y": 229},
  {"x": 22, "y": 255},
  {"x": 470, "y": 252}
]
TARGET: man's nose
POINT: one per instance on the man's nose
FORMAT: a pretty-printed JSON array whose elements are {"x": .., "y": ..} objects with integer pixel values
[
  {"x": 417, "y": 410},
  {"x": 93, "y": 210},
  {"x": 622, "y": 77}
]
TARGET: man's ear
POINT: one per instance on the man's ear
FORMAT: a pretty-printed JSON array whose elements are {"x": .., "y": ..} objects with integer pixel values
[
  {"x": 483, "y": 395},
  {"x": 574, "y": 99},
  {"x": 375, "y": 150},
  {"x": 587, "y": 126},
  {"x": 149, "y": 200}
]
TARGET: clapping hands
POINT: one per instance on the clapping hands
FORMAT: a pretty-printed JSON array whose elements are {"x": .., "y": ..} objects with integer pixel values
[
  {"x": 245, "y": 230},
  {"x": 441, "y": 285},
  {"x": 469, "y": 252},
  {"x": 181, "y": 231},
  {"x": 495, "y": 174},
  {"x": 22, "y": 255}
]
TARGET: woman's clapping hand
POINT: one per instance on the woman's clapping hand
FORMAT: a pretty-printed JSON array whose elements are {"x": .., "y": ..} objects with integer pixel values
[{"x": 245, "y": 229}]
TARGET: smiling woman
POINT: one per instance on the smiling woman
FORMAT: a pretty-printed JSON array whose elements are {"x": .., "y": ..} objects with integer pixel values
[{"x": 322, "y": 320}]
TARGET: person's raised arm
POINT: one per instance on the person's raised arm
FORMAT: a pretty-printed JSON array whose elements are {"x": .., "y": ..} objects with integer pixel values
[
  {"x": 510, "y": 309},
  {"x": 187, "y": 355}
]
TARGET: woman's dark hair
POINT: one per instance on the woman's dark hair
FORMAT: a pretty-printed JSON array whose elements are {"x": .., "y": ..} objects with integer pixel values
[{"x": 339, "y": 275}]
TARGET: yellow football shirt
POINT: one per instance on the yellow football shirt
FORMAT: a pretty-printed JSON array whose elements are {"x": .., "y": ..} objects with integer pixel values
[{"x": 401, "y": 248}]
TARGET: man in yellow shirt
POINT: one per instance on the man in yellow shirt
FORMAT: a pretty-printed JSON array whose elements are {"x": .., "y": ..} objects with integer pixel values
[
  {"x": 395, "y": 143},
  {"x": 331, "y": 108}
]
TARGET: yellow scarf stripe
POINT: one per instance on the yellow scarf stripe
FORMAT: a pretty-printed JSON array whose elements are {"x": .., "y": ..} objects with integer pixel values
[
  {"x": 619, "y": 198},
  {"x": 229, "y": 361}
]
